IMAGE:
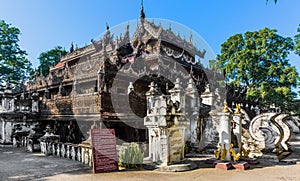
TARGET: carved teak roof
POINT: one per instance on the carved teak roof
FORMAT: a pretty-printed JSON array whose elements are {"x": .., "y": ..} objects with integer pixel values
[
  {"x": 145, "y": 31},
  {"x": 148, "y": 30}
]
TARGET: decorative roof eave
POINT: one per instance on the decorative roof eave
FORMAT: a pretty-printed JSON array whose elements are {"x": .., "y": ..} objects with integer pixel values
[
  {"x": 79, "y": 53},
  {"x": 154, "y": 30},
  {"x": 148, "y": 27},
  {"x": 157, "y": 32},
  {"x": 170, "y": 37}
]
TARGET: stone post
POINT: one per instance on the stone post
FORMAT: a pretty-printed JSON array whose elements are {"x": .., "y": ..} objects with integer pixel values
[
  {"x": 155, "y": 122},
  {"x": 3, "y": 131},
  {"x": 225, "y": 137},
  {"x": 237, "y": 129},
  {"x": 164, "y": 149},
  {"x": 8, "y": 132},
  {"x": 192, "y": 101}
]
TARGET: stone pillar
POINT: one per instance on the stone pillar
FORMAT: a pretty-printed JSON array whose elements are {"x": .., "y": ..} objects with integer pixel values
[
  {"x": 6, "y": 132},
  {"x": 164, "y": 150},
  {"x": 224, "y": 133},
  {"x": 237, "y": 129},
  {"x": 58, "y": 152},
  {"x": 156, "y": 124},
  {"x": 2, "y": 108},
  {"x": 2, "y": 131},
  {"x": 192, "y": 101},
  {"x": 13, "y": 106},
  {"x": 165, "y": 126}
]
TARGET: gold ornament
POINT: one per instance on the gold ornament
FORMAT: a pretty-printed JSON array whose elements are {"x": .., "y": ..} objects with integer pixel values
[
  {"x": 235, "y": 156},
  {"x": 238, "y": 109},
  {"x": 217, "y": 152},
  {"x": 223, "y": 153},
  {"x": 226, "y": 109},
  {"x": 245, "y": 152}
]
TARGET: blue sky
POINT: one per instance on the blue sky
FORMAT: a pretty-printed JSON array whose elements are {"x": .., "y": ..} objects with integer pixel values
[{"x": 45, "y": 24}]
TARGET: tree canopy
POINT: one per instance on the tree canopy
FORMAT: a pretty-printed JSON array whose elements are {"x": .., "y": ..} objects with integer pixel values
[
  {"x": 50, "y": 58},
  {"x": 14, "y": 66},
  {"x": 258, "y": 61},
  {"x": 297, "y": 41}
]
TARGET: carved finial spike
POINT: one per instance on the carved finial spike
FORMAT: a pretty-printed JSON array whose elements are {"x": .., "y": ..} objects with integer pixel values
[
  {"x": 72, "y": 48},
  {"x": 142, "y": 14},
  {"x": 191, "y": 37},
  {"x": 107, "y": 27}
]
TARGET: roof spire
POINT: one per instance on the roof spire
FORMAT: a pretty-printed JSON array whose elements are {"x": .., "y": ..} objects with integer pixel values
[
  {"x": 107, "y": 27},
  {"x": 191, "y": 37},
  {"x": 142, "y": 14}
]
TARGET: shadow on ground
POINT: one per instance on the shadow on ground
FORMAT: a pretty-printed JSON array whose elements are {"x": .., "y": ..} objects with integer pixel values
[{"x": 17, "y": 164}]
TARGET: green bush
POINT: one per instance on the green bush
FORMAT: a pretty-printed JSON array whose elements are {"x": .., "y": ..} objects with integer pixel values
[{"x": 131, "y": 157}]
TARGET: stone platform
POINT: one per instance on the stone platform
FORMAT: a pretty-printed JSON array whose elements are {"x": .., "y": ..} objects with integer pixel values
[
  {"x": 231, "y": 165},
  {"x": 184, "y": 165},
  {"x": 223, "y": 165},
  {"x": 241, "y": 165}
]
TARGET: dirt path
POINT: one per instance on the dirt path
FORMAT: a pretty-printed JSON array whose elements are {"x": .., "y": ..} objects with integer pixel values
[{"x": 280, "y": 173}]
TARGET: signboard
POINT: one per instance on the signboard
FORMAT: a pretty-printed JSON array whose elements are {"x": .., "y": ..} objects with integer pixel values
[
  {"x": 105, "y": 156},
  {"x": 176, "y": 146}
]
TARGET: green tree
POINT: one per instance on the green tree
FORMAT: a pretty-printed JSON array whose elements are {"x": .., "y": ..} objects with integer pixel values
[
  {"x": 259, "y": 62},
  {"x": 50, "y": 58},
  {"x": 297, "y": 41},
  {"x": 14, "y": 66}
]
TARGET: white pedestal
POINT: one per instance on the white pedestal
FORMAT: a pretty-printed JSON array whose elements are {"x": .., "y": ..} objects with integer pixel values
[
  {"x": 225, "y": 137},
  {"x": 238, "y": 129}
]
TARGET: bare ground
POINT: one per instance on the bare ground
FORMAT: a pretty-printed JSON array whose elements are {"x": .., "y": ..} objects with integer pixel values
[{"x": 17, "y": 164}]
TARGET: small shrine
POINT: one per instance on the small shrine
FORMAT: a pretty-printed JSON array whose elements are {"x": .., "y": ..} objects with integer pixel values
[{"x": 18, "y": 112}]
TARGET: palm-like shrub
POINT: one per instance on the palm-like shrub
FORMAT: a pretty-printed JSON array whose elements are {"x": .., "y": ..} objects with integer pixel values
[{"x": 131, "y": 157}]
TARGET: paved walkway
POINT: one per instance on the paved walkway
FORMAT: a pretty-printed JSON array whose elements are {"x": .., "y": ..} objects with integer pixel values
[
  {"x": 17, "y": 164},
  {"x": 295, "y": 146},
  {"x": 287, "y": 171}
]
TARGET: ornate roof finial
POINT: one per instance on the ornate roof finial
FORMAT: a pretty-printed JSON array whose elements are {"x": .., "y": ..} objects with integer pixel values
[
  {"x": 142, "y": 15},
  {"x": 72, "y": 48},
  {"x": 107, "y": 27},
  {"x": 41, "y": 71},
  {"x": 170, "y": 27},
  {"x": 35, "y": 74},
  {"x": 127, "y": 28},
  {"x": 191, "y": 37}
]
